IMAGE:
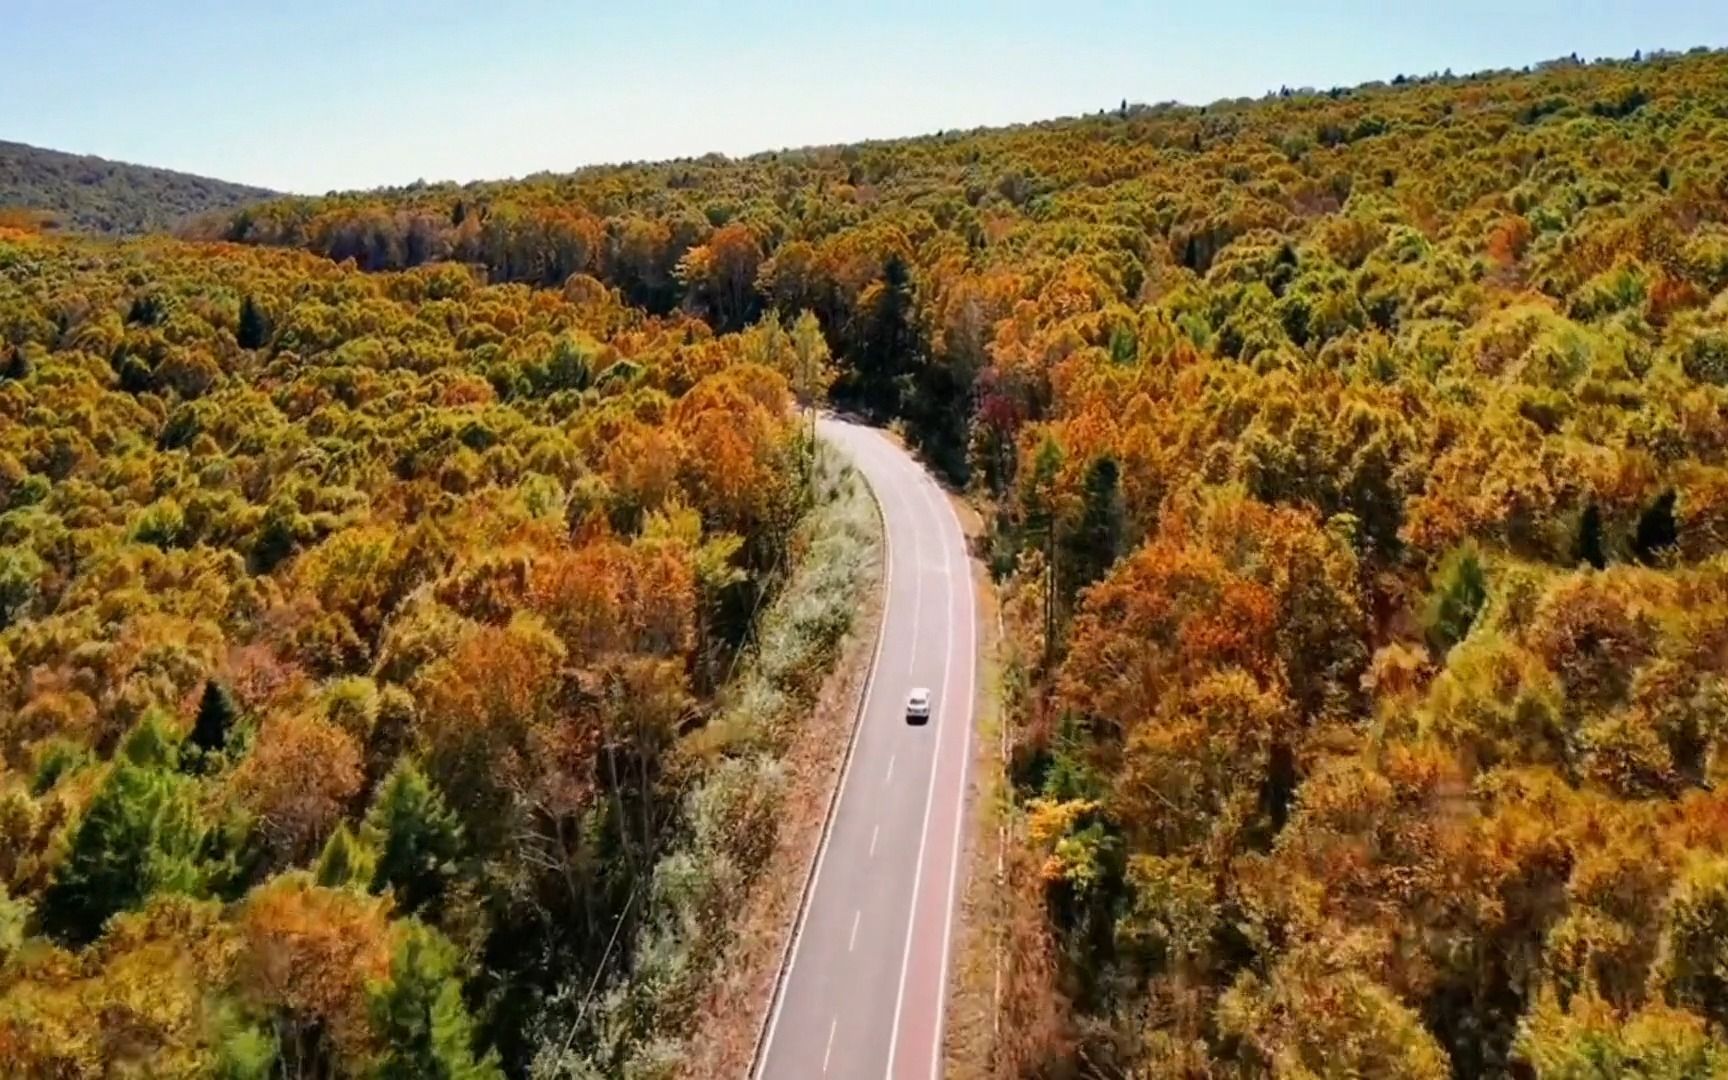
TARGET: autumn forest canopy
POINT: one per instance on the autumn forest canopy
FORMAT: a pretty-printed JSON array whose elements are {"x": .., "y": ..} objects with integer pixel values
[{"x": 387, "y": 581}]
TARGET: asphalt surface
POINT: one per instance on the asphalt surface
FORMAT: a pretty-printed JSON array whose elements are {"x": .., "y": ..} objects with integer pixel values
[{"x": 864, "y": 988}]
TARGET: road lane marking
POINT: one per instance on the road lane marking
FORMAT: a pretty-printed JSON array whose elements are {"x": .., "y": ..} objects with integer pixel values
[
  {"x": 852, "y": 941},
  {"x": 890, "y": 776},
  {"x": 789, "y": 961},
  {"x": 917, "y": 600},
  {"x": 971, "y": 620},
  {"x": 940, "y": 719},
  {"x": 896, "y": 470}
]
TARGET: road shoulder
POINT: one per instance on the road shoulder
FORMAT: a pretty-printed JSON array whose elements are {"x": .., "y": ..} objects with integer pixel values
[
  {"x": 731, "y": 1015},
  {"x": 974, "y": 971}
]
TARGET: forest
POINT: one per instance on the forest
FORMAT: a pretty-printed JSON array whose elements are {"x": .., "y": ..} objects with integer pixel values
[
  {"x": 1355, "y": 464},
  {"x": 369, "y": 656},
  {"x": 87, "y": 194}
]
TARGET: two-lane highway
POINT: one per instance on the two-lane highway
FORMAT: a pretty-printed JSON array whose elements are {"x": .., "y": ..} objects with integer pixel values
[{"x": 863, "y": 991}]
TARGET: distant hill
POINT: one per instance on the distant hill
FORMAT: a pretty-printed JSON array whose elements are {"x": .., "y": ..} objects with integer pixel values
[{"x": 91, "y": 194}]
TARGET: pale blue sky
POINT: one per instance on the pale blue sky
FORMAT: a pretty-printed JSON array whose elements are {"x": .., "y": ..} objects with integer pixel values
[{"x": 319, "y": 94}]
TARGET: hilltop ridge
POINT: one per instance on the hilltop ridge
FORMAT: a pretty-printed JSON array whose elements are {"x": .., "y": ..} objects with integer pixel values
[{"x": 84, "y": 193}]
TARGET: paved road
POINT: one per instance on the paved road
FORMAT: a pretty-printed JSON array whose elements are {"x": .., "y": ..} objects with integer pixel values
[{"x": 863, "y": 993}]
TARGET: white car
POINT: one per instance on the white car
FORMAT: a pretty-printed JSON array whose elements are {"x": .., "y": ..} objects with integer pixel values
[{"x": 918, "y": 706}]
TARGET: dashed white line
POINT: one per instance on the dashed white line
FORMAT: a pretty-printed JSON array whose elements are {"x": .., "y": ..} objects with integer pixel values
[
  {"x": 790, "y": 957},
  {"x": 917, "y": 601},
  {"x": 970, "y": 620},
  {"x": 940, "y": 722},
  {"x": 927, "y": 496}
]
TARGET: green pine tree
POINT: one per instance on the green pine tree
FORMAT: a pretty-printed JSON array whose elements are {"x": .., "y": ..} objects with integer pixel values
[
  {"x": 135, "y": 374},
  {"x": 886, "y": 343},
  {"x": 1043, "y": 524},
  {"x": 151, "y": 744},
  {"x": 1124, "y": 345},
  {"x": 346, "y": 860},
  {"x": 15, "y": 364},
  {"x": 217, "y": 712},
  {"x": 415, "y": 836},
  {"x": 21, "y": 575},
  {"x": 140, "y": 835},
  {"x": 1590, "y": 546},
  {"x": 254, "y": 330},
  {"x": 421, "y": 1020},
  {"x": 1658, "y": 531},
  {"x": 246, "y": 1049},
  {"x": 1460, "y": 591},
  {"x": 1097, "y": 538}
]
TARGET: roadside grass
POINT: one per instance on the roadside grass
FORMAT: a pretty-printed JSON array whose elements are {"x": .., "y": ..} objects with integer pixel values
[
  {"x": 716, "y": 900},
  {"x": 972, "y": 1014},
  {"x": 1003, "y": 1013}
]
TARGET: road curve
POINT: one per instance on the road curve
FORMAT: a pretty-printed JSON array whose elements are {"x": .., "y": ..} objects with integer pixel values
[{"x": 864, "y": 986}]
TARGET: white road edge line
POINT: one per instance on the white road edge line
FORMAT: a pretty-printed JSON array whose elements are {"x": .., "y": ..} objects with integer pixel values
[
  {"x": 917, "y": 598},
  {"x": 923, "y": 841},
  {"x": 767, "y": 1041},
  {"x": 971, "y": 621}
]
